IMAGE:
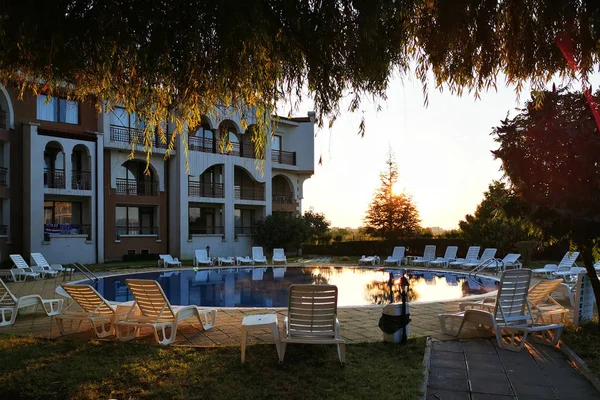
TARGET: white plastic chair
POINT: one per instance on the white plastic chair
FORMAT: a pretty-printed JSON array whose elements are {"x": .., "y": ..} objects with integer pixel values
[
  {"x": 151, "y": 309},
  {"x": 487, "y": 254},
  {"x": 10, "y": 305},
  {"x": 257, "y": 255},
  {"x": 279, "y": 256},
  {"x": 428, "y": 256},
  {"x": 20, "y": 262},
  {"x": 201, "y": 257},
  {"x": 21, "y": 274},
  {"x": 449, "y": 255},
  {"x": 397, "y": 256},
  {"x": 471, "y": 256},
  {"x": 168, "y": 260}
]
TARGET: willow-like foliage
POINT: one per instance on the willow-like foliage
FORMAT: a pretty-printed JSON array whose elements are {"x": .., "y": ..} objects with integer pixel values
[{"x": 174, "y": 61}]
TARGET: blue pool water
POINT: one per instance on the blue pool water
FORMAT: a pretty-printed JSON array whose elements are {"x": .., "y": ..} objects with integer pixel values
[{"x": 268, "y": 286}]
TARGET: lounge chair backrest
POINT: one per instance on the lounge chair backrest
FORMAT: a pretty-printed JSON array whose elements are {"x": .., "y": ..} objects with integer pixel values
[
  {"x": 511, "y": 258},
  {"x": 398, "y": 253},
  {"x": 542, "y": 290},
  {"x": 89, "y": 299},
  {"x": 201, "y": 255},
  {"x": 472, "y": 253},
  {"x": 511, "y": 301},
  {"x": 488, "y": 253},
  {"x": 257, "y": 253},
  {"x": 19, "y": 261},
  {"x": 166, "y": 257},
  {"x": 39, "y": 260},
  {"x": 278, "y": 253},
  {"x": 429, "y": 253},
  {"x": 150, "y": 298},
  {"x": 7, "y": 299},
  {"x": 312, "y": 311},
  {"x": 450, "y": 252},
  {"x": 569, "y": 259}
]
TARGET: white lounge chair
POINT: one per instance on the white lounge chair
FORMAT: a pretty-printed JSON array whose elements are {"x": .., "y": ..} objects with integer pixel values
[
  {"x": 10, "y": 305},
  {"x": 565, "y": 264},
  {"x": 94, "y": 308},
  {"x": 151, "y": 309},
  {"x": 312, "y": 318},
  {"x": 570, "y": 276},
  {"x": 397, "y": 256},
  {"x": 258, "y": 256},
  {"x": 244, "y": 260},
  {"x": 200, "y": 257},
  {"x": 279, "y": 256},
  {"x": 428, "y": 256},
  {"x": 372, "y": 260},
  {"x": 21, "y": 274},
  {"x": 226, "y": 261},
  {"x": 511, "y": 313},
  {"x": 544, "y": 307},
  {"x": 40, "y": 260},
  {"x": 510, "y": 260},
  {"x": 471, "y": 256},
  {"x": 487, "y": 254},
  {"x": 167, "y": 261},
  {"x": 449, "y": 255},
  {"x": 20, "y": 262}
]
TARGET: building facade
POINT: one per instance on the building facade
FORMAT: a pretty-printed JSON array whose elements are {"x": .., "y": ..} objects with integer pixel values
[{"x": 66, "y": 164}]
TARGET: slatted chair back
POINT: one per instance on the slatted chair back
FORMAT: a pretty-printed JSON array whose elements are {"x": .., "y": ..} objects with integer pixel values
[
  {"x": 511, "y": 258},
  {"x": 542, "y": 290},
  {"x": 257, "y": 253},
  {"x": 312, "y": 311},
  {"x": 568, "y": 260},
  {"x": 40, "y": 260},
  {"x": 150, "y": 299},
  {"x": 511, "y": 302},
  {"x": 7, "y": 299},
  {"x": 278, "y": 253},
  {"x": 89, "y": 299},
  {"x": 429, "y": 253},
  {"x": 450, "y": 253},
  {"x": 398, "y": 253},
  {"x": 19, "y": 261},
  {"x": 488, "y": 253},
  {"x": 167, "y": 258}
]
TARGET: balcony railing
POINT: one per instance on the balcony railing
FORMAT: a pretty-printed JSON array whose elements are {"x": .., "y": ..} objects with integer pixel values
[
  {"x": 212, "y": 146},
  {"x": 134, "y": 135},
  {"x": 137, "y": 188},
  {"x": 200, "y": 189},
  {"x": 283, "y": 198},
  {"x": 133, "y": 230},
  {"x": 283, "y": 157},
  {"x": 81, "y": 180},
  {"x": 67, "y": 229},
  {"x": 206, "y": 230},
  {"x": 244, "y": 230},
  {"x": 54, "y": 178},
  {"x": 249, "y": 192},
  {"x": 3, "y": 175},
  {"x": 3, "y": 120}
]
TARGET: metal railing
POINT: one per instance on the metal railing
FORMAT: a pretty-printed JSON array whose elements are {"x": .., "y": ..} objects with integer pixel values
[
  {"x": 89, "y": 275},
  {"x": 130, "y": 135},
  {"x": 249, "y": 192},
  {"x": 54, "y": 178},
  {"x": 67, "y": 229},
  {"x": 137, "y": 188},
  {"x": 3, "y": 175},
  {"x": 81, "y": 180},
  {"x": 137, "y": 231},
  {"x": 207, "y": 145},
  {"x": 283, "y": 157},
  {"x": 200, "y": 189},
  {"x": 244, "y": 230},
  {"x": 283, "y": 197},
  {"x": 3, "y": 120},
  {"x": 205, "y": 230}
]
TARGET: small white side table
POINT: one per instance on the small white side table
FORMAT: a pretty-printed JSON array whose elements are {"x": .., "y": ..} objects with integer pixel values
[{"x": 259, "y": 322}]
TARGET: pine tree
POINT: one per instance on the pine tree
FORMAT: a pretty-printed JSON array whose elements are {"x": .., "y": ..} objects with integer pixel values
[{"x": 390, "y": 215}]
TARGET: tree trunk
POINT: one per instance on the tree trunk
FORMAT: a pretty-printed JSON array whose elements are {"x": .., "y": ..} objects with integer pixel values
[{"x": 588, "y": 261}]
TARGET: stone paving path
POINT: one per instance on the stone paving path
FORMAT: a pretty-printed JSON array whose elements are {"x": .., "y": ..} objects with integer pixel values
[{"x": 477, "y": 369}]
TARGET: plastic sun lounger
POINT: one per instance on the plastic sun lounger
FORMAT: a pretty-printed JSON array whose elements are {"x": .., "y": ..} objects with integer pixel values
[
  {"x": 20, "y": 262},
  {"x": 367, "y": 260},
  {"x": 11, "y": 306},
  {"x": 226, "y": 261},
  {"x": 168, "y": 260},
  {"x": 565, "y": 264},
  {"x": 428, "y": 256},
  {"x": 244, "y": 260},
  {"x": 397, "y": 256},
  {"x": 471, "y": 256},
  {"x": 279, "y": 256},
  {"x": 449, "y": 255},
  {"x": 21, "y": 274},
  {"x": 40, "y": 260},
  {"x": 487, "y": 254},
  {"x": 201, "y": 257},
  {"x": 258, "y": 256}
]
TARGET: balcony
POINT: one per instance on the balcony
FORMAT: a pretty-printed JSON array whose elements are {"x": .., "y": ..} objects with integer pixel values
[
  {"x": 283, "y": 198},
  {"x": 249, "y": 192},
  {"x": 54, "y": 178},
  {"x": 81, "y": 180},
  {"x": 3, "y": 120},
  {"x": 129, "y": 135},
  {"x": 128, "y": 187},
  {"x": 212, "y": 146},
  {"x": 3, "y": 176},
  {"x": 137, "y": 231},
  {"x": 283, "y": 157},
  {"x": 200, "y": 189},
  {"x": 206, "y": 230},
  {"x": 244, "y": 230},
  {"x": 51, "y": 230}
]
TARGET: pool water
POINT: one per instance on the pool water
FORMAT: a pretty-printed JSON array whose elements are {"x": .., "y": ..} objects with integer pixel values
[{"x": 269, "y": 287}]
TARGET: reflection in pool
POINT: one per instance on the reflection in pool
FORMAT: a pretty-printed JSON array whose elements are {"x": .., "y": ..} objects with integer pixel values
[{"x": 268, "y": 287}]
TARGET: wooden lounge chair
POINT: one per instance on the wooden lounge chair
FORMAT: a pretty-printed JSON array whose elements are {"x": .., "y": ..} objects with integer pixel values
[
  {"x": 94, "y": 308},
  {"x": 279, "y": 256},
  {"x": 167, "y": 260},
  {"x": 471, "y": 256},
  {"x": 151, "y": 309},
  {"x": 20, "y": 262},
  {"x": 512, "y": 313},
  {"x": 201, "y": 257},
  {"x": 449, "y": 255},
  {"x": 11, "y": 306},
  {"x": 397, "y": 256},
  {"x": 428, "y": 256},
  {"x": 312, "y": 318},
  {"x": 258, "y": 256}
]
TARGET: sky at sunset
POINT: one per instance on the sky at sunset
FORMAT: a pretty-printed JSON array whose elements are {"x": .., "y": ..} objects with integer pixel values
[{"x": 442, "y": 151}]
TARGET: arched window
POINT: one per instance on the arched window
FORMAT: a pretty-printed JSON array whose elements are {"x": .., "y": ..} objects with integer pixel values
[{"x": 54, "y": 166}]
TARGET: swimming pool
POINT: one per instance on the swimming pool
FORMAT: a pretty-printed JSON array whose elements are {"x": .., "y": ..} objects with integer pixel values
[{"x": 268, "y": 286}]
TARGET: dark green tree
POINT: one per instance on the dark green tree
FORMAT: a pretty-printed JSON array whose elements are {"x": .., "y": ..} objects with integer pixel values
[
  {"x": 280, "y": 230},
  {"x": 495, "y": 222},
  {"x": 551, "y": 153},
  {"x": 317, "y": 227}
]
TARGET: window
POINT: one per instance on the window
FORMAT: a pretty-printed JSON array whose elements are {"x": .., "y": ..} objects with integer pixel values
[
  {"x": 133, "y": 220},
  {"x": 57, "y": 110},
  {"x": 63, "y": 217},
  {"x": 244, "y": 221},
  {"x": 120, "y": 117},
  {"x": 205, "y": 220},
  {"x": 276, "y": 145}
]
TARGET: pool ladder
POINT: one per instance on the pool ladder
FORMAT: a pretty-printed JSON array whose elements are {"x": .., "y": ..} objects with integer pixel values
[
  {"x": 486, "y": 264},
  {"x": 93, "y": 278}
]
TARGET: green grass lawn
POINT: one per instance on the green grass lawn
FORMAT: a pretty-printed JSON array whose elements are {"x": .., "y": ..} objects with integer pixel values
[
  {"x": 585, "y": 341},
  {"x": 40, "y": 369}
]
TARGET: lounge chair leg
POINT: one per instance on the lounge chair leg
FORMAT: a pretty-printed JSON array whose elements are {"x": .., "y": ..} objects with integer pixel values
[
  {"x": 282, "y": 349},
  {"x": 103, "y": 330},
  {"x": 342, "y": 353},
  {"x": 166, "y": 338},
  {"x": 127, "y": 334}
]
